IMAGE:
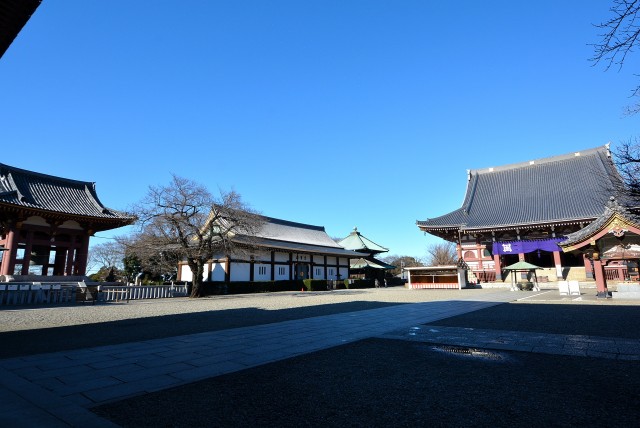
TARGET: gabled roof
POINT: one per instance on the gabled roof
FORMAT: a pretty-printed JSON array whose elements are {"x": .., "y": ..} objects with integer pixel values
[
  {"x": 290, "y": 236},
  {"x": 46, "y": 194},
  {"x": 14, "y": 14},
  {"x": 614, "y": 216},
  {"x": 356, "y": 242},
  {"x": 362, "y": 263},
  {"x": 571, "y": 187}
]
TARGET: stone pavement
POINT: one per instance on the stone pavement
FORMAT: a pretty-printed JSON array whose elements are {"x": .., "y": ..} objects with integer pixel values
[{"x": 57, "y": 389}]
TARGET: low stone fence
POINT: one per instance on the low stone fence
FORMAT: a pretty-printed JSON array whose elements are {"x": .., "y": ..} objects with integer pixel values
[
  {"x": 24, "y": 294},
  {"x": 12, "y": 294},
  {"x": 111, "y": 293}
]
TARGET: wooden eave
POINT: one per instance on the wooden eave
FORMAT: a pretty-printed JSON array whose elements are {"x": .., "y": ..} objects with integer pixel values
[
  {"x": 53, "y": 215},
  {"x": 617, "y": 221}
]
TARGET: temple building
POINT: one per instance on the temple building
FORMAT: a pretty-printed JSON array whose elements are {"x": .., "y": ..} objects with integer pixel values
[
  {"x": 46, "y": 223},
  {"x": 280, "y": 250},
  {"x": 520, "y": 212},
  {"x": 611, "y": 243},
  {"x": 366, "y": 267}
]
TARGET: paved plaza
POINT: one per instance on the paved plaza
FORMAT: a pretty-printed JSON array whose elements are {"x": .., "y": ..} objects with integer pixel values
[{"x": 58, "y": 388}]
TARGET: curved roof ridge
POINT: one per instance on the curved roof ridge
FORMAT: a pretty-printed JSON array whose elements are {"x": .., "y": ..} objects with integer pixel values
[{"x": 8, "y": 169}]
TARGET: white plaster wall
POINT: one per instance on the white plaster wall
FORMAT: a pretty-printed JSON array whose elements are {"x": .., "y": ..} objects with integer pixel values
[
  {"x": 71, "y": 224},
  {"x": 318, "y": 259},
  {"x": 240, "y": 271},
  {"x": 261, "y": 277},
  {"x": 344, "y": 273},
  {"x": 331, "y": 260},
  {"x": 281, "y": 276},
  {"x": 217, "y": 272},
  {"x": 263, "y": 256},
  {"x": 282, "y": 257},
  {"x": 185, "y": 273},
  {"x": 39, "y": 221},
  {"x": 301, "y": 258}
]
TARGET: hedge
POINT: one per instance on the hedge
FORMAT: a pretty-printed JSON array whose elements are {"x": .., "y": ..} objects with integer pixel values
[
  {"x": 359, "y": 283},
  {"x": 245, "y": 287}
]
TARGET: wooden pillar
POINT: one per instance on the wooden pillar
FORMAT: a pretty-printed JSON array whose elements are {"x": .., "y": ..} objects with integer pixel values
[
  {"x": 290, "y": 266},
  {"x": 587, "y": 267},
  {"x": 227, "y": 270},
  {"x": 80, "y": 265},
  {"x": 26, "y": 259},
  {"x": 325, "y": 268},
  {"x": 61, "y": 257},
  {"x": 252, "y": 266},
  {"x": 558, "y": 262},
  {"x": 68, "y": 270},
  {"x": 9, "y": 256},
  {"x": 480, "y": 253},
  {"x": 273, "y": 265},
  {"x": 497, "y": 267},
  {"x": 601, "y": 280}
]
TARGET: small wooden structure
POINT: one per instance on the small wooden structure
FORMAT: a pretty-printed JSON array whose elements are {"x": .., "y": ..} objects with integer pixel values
[
  {"x": 437, "y": 277},
  {"x": 523, "y": 267}
]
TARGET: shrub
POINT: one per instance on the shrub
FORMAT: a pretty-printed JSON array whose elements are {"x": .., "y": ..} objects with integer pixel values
[
  {"x": 211, "y": 288},
  {"x": 315, "y": 284},
  {"x": 359, "y": 283}
]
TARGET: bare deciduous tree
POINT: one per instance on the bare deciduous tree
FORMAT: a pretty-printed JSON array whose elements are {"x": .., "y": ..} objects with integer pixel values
[
  {"x": 401, "y": 262},
  {"x": 441, "y": 254},
  {"x": 185, "y": 220},
  {"x": 627, "y": 159},
  {"x": 620, "y": 36},
  {"x": 106, "y": 255}
]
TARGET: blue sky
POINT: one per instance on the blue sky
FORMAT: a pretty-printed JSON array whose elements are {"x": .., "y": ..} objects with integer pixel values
[{"x": 334, "y": 113}]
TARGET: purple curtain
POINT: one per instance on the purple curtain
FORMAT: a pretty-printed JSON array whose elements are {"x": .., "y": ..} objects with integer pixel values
[{"x": 517, "y": 247}]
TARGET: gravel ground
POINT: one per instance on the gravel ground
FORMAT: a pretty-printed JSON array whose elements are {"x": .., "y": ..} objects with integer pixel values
[
  {"x": 388, "y": 383},
  {"x": 27, "y": 331},
  {"x": 382, "y": 383},
  {"x": 371, "y": 383}
]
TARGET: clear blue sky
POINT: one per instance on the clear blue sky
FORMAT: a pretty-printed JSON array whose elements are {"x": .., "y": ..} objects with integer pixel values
[{"x": 336, "y": 113}]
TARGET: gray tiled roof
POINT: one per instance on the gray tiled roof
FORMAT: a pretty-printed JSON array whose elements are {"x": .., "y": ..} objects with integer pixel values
[
  {"x": 612, "y": 207},
  {"x": 291, "y": 236},
  {"x": 556, "y": 189},
  {"x": 31, "y": 190}
]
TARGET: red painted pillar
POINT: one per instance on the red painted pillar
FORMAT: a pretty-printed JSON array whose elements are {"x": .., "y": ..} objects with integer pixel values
[
  {"x": 601, "y": 281},
  {"x": 587, "y": 267},
  {"x": 82, "y": 254},
  {"x": 9, "y": 256},
  {"x": 68, "y": 270},
  {"x": 497, "y": 267},
  {"x": 480, "y": 253},
  {"x": 558, "y": 262}
]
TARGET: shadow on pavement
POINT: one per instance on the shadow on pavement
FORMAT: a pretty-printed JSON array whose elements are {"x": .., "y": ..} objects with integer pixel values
[
  {"x": 591, "y": 320},
  {"x": 28, "y": 342}
]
